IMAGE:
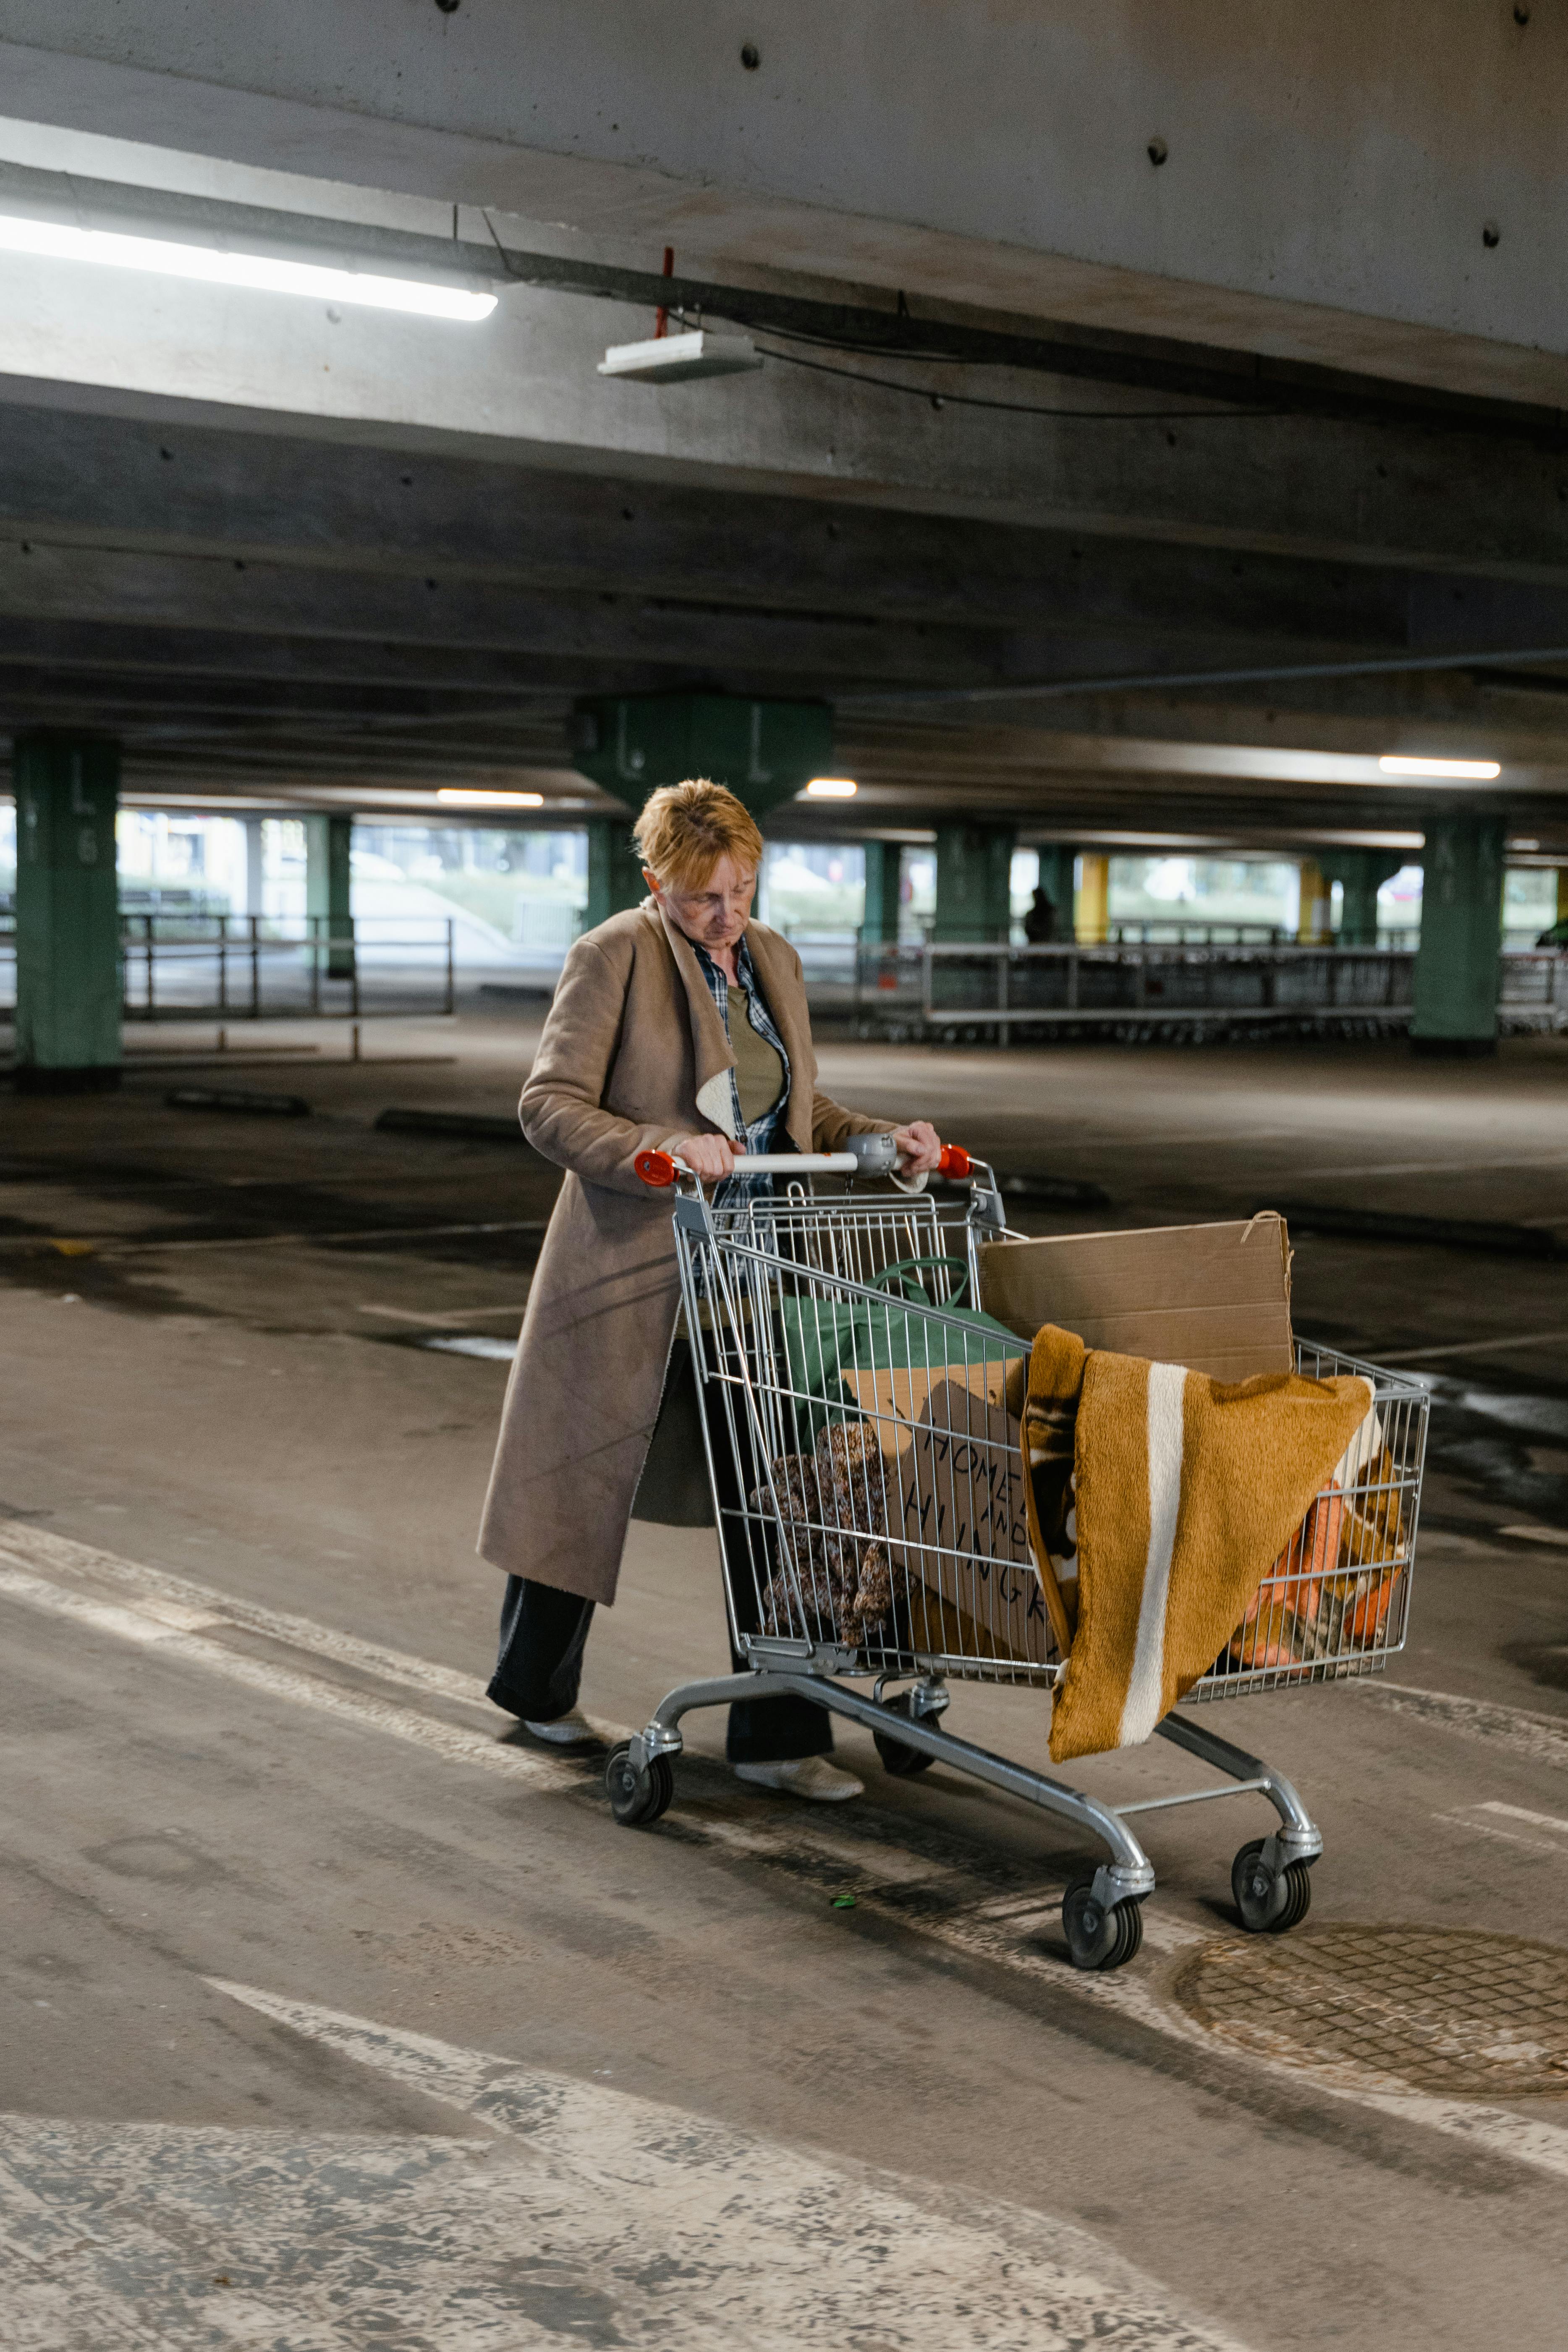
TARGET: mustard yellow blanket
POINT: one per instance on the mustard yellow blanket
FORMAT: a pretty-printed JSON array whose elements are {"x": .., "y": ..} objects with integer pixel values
[{"x": 1187, "y": 1491}]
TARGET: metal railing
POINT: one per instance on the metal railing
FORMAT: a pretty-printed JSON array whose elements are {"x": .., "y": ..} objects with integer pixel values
[
  {"x": 186, "y": 966},
  {"x": 254, "y": 967},
  {"x": 925, "y": 990}
]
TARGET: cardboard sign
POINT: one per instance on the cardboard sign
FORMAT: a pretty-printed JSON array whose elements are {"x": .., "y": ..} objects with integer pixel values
[
  {"x": 898, "y": 1398},
  {"x": 956, "y": 1494}
]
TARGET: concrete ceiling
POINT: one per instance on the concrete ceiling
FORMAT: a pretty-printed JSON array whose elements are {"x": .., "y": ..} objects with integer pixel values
[{"x": 299, "y": 557}]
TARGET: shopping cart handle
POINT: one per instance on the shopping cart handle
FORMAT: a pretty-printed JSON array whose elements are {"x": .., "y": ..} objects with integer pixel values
[{"x": 661, "y": 1169}]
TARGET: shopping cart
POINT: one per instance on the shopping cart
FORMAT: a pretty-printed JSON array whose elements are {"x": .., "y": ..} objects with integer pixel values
[{"x": 867, "y": 1490}]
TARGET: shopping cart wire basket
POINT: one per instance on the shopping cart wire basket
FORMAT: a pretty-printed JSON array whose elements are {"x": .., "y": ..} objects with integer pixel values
[{"x": 868, "y": 1492}]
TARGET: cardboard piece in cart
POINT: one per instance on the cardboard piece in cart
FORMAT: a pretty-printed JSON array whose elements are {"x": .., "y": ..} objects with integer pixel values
[
  {"x": 972, "y": 1589},
  {"x": 1213, "y": 1297}
]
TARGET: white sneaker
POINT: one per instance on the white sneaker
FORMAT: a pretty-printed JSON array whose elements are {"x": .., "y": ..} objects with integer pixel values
[
  {"x": 805, "y": 1775},
  {"x": 564, "y": 1730}
]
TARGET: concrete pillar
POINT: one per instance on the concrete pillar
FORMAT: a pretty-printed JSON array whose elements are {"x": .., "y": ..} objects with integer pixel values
[
  {"x": 329, "y": 890},
  {"x": 1092, "y": 919},
  {"x": 1360, "y": 874},
  {"x": 615, "y": 872},
  {"x": 973, "y": 879},
  {"x": 1313, "y": 923},
  {"x": 1461, "y": 934},
  {"x": 1057, "y": 865},
  {"x": 884, "y": 880},
  {"x": 68, "y": 913}
]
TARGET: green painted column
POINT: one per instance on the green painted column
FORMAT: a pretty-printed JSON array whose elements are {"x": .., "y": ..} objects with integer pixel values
[
  {"x": 615, "y": 872},
  {"x": 1360, "y": 874},
  {"x": 1058, "y": 880},
  {"x": 884, "y": 879},
  {"x": 68, "y": 913},
  {"x": 1461, "y": 934},
  {"x": 764, "y": 751},
  {"x": 329, "y": 890},
  {"x": 973, "y": 872}
]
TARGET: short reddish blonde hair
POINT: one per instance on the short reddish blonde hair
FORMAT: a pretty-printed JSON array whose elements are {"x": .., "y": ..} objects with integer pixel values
[{"x": 685, "y": 829}]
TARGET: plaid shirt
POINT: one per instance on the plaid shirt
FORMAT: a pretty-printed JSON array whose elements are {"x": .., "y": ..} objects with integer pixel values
[{"x": 759, "y": 1135}]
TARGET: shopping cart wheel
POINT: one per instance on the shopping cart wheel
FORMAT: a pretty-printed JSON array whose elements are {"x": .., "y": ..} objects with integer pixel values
[
  {"x": 1098, "y": 1939},
  {"x": 636, "y": 1798},
  {"x": 1271, "y": 1902},
  {"x": 897, "y": 1756}
]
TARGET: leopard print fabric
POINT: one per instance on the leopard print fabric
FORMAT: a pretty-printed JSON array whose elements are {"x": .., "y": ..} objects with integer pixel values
[{"x": 834, "y": 1581}]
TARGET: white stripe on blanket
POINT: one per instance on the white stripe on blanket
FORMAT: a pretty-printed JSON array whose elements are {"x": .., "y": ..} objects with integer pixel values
[{"x": 1143, "y": 1705}]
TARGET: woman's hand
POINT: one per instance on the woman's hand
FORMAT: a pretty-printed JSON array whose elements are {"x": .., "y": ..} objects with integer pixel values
[
  {"x": 712, "y": 1157},
  {"x": 920, "y": 1147}
]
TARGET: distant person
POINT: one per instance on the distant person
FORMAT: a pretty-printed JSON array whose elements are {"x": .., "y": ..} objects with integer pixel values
[
  {"x": 1040, "y": 922},
  {"x": 681, "y": 1026}
]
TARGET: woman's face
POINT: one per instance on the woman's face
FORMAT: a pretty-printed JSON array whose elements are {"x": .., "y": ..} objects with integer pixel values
[{"x": 717, "y": 914}]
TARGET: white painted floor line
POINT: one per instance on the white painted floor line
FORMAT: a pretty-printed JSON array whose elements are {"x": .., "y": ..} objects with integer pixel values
[
  {"x": 36, "y": 1548},
  {"x": 1473, "y": 1348},
  {"x": 1539, "y": 1738},
  {"x": 1556, "y": 1537},
  {"x": 177, "y": 1616},
  {"x": 1520, "y": 1814},
  {"x": 442, "y": 1322},
  {"x": 1462, "y": 1820},
  {"x": 153, "y": 1621},
  {"x": 1351, "y": 1173},
  {"x": 592, "y": 2216}
]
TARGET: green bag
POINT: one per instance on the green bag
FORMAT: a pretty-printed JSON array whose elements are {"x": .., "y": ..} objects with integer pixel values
[{"x": 823, "y": 1337}]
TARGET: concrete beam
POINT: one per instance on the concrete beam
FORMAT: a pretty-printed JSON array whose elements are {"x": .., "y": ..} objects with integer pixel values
[
  {"x": 87, "y": 479},
  {"x": 1140, "y": 166},
  {"x": 523, "y": 387}
]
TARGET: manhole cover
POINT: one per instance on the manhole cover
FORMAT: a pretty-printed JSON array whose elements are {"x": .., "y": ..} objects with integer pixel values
[{"x": 1442, "y": 2008}]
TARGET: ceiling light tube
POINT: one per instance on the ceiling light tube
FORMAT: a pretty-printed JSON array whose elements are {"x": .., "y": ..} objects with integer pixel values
[
  {"x": 458, "y": 796},
  {"x": 263, "y": 273},
  {"x": 831, "y": 788},
  {"x": 1396, "y": 763}
]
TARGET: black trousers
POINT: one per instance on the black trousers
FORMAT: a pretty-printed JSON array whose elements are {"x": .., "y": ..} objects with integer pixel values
[{"x": 544, "y": 1631}]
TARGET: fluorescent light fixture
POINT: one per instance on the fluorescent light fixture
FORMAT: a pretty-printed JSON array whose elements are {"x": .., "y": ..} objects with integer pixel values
[
  {"x": 1524, "y": 844},
  {"x": 263, "y": 272},
  {"x": 459, "y": 796},
  {"x": 677, "y": 359},
  {"x": 831, "y": 788},
  {"x": 1395, "y": 763}
]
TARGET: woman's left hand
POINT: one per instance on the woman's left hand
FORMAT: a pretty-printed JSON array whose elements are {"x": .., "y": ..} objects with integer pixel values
[{"x": 920, "y": 1147}]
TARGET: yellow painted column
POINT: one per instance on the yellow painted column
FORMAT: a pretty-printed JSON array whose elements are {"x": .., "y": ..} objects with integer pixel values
[
  {"x": 1091, "y": 913},
  {"x": 1313, "y": 925},
  {"x": 1563, "y": 894}
]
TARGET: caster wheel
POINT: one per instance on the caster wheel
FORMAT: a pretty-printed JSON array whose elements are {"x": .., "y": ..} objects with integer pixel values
[
  {"x": 902, "y": 1761},
  {"x": 638, "y": 1798},
  {"x": 1098, "y": 1939},
  {"x": 1270, "y": 1901}
]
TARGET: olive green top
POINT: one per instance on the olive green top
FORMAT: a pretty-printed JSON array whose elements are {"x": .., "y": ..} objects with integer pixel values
[{"x": 759, "y": 1066}]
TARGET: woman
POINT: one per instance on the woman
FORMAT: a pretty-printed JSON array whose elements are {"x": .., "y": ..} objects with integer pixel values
[{"x": 683, "y": 1027}]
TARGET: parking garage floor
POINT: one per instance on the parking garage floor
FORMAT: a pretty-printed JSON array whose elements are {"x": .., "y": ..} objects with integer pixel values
[{"x": 336, "y": 2011}]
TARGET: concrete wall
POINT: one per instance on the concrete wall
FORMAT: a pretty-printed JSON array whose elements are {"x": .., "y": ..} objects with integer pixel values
[{"x": 1328, "y": 172}]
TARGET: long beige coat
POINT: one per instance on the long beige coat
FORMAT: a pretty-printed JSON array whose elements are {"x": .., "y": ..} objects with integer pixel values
[{"x": 634, "y": 1054}]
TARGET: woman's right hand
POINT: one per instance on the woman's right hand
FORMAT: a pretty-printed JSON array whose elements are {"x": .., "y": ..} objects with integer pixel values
[{"x": 712, "y": 1157}]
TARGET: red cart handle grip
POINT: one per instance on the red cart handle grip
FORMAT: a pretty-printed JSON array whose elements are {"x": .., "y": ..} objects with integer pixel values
[
  {"x": 654, "y": 1168},
  {"x": 954, "y": 1161}
]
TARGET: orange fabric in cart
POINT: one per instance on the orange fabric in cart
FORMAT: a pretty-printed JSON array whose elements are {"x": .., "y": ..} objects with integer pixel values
[{"x": 1188, "y": 1489}]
